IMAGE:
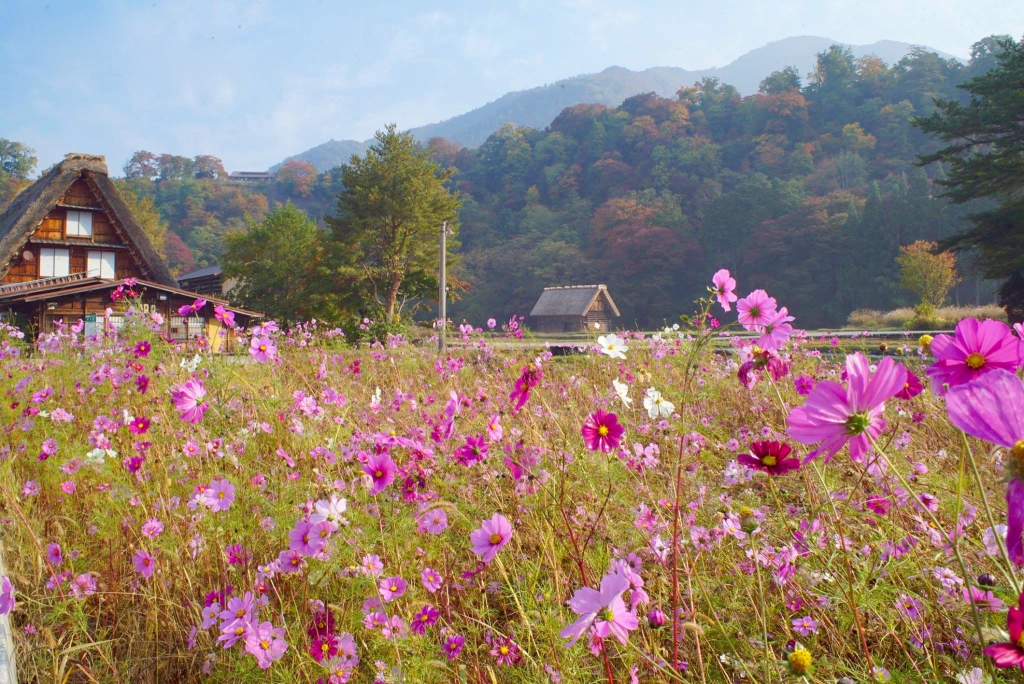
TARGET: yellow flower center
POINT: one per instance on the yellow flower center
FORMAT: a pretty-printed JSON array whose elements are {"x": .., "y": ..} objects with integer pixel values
[
  {"x": 495, "y": 538},
  {"x": 800, "y": 661},
  {"x": 239, "y": 631},
  {"x": 769, "y": 460},
  {"x": 975, "y": 361},
  {"x": 607, "y": 614},
  {"x": 379, "y": 473},
  {"x": 264, "y": 644},
  {"x": 240, "y": 612},
  {"x": 263, "y": 347},
  {"x": 603, "y": 430},
  {"x": 394, "y": 587},
  {"x": 325, "y": 647},
  {"x": 503, "y": 650}
]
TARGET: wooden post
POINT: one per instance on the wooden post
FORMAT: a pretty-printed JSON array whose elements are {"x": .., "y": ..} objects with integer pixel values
[
  {"x": 8, "y": 670},
  {"x": 442, "y": 297}
]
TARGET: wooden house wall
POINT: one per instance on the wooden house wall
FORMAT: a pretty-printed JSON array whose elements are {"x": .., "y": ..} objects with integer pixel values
[{"x": 53, "y": 226}]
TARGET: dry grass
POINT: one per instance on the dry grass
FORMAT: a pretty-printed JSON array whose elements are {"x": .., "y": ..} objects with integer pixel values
[{"x": 907, "y": 319}]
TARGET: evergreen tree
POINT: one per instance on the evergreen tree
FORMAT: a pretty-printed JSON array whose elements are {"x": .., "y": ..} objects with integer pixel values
[{"x": 985, "y": 153}]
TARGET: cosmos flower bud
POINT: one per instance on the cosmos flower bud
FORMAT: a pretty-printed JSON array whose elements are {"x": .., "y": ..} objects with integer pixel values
[
  {"x": 656, "y": 619},
  {"x": 986, "y": 580},
  {"x": 748, "y": 521}
]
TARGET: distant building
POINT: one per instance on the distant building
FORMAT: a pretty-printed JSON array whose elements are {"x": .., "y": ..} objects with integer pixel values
[
  {"x": 68, "y": 241},
  {"x": 573, "y": 308},
  {"x": 207, "y": 281},
  {"x": 251, "y": 176}
]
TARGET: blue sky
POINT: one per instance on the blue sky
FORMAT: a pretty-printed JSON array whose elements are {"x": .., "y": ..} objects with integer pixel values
[{"x": 254, "y": 81}]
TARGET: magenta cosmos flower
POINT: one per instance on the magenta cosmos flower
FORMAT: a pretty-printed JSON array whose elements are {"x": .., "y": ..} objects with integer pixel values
[
  {"x": 491, "y": 537},
  {"x": 911, "y": 388},
  {"x": 835, "y": 416},
  {"x": 771, "y": 457},
  {"x": 725, "y": 286},
  {"x": 603, "y": 609},
  {"x": 992, "y": 408},
  {"x": 528, "y": 379},
  {"x": 188, "y": 400},
  {"x": 756, "y": 310},
  {"x": 381, "y": 469},
  {"x": 6, "y": 595},
  {"x": 1010, "y": 654},
  {"x": 602, "y": 432},
  {"x": 976, "y": 348}
]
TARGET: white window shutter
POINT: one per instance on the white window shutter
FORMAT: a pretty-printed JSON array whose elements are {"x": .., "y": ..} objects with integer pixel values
[
  {"x": 108, "y": 269},
  {"x": 74, "y": 218},
  {"x": 85, "y": 224},
  {"x": 45, "y": 263},
  {"x": 61, "y": 262}
]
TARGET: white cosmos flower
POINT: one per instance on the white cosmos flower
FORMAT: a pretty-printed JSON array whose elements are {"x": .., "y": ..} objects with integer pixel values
[
  {"x": 332, "y": 511},
  {"x": 622, "y": 389},
  {"x": 656, "y": 405},
  {"x": 613, "y": 346}
]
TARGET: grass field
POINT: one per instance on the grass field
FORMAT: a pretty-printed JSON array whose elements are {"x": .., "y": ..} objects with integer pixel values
[{"x": 330, "y": 515}]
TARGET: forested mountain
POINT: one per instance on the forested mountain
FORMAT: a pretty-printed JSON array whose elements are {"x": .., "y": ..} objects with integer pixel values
[
  {"x": 538, "y": 107},
  {"x": 807, "y": 189}
]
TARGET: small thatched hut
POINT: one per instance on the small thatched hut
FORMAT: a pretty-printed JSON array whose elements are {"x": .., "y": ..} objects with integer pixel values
[{"x": 573, "y": 308}]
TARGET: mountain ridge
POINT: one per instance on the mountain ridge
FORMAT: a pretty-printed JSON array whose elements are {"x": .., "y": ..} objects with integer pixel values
[{"x": 537, "y": 107}]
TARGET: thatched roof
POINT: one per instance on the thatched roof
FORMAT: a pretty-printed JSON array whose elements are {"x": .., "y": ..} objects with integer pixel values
[
  {"x": 571, "y": 300},
  {"x": 30, "y": 207},
  {"x": 201, "y": 273}
]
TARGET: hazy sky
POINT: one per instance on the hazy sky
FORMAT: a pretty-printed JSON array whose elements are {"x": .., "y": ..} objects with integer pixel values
[{"x": 254, "y": 81}]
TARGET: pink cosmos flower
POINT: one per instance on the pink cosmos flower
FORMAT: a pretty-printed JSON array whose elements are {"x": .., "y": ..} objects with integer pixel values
[
  {"x": 835, "y": 416},
  {"x": 220, "y": 495},
  {"x": 6, "y": 595},
  {"x": 381, "y": 469},
  {"x": 751, "y": 369},
  {"x": 756, "y": 310},
  {"x": 392, "y": 588},
  {"x": 506, "y": 650},
  {"x": 434, "y": 521},
  {"x": 142, "y": 349},
  {"x": 324, "y": 647},
  {"x": 494, "y": 429},
  {"x": 262, "y": 349},
  {"x": 803, "y": 385},
  {"x": 144, "y": 563},
  {"x": 777, "y": 331},
  {"x": 602, "y": 432},
  {"x": 266, "y": 643},
  {"x": 188, "y": 400},
  {"x": 491, "y": 537},
  {"x": 528, "y": 379},
  {"x": 977, "y": 348},
  {"x": 431, "y": 579},
  {"x": 725, "y": 286},
  {"x": 1010, "y": 654},
  {"x": 303, "y": 539},
  {"x": 992, "y": 408},
  {"x": 771, "y": 457},
  {"x": 603, "y": 609}
]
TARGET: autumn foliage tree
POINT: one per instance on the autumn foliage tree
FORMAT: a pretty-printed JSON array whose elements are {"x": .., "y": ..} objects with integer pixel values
[{"x": 928, "y": 275}]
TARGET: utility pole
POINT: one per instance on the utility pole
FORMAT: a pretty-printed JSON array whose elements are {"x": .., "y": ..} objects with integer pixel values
[{"x": 442, "y": 297}]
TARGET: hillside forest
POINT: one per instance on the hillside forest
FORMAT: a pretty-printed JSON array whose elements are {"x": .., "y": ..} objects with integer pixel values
[{"x": 808, "y": 188}]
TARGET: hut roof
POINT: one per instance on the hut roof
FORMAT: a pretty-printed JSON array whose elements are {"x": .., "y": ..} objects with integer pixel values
[
  {"x": 30, "y": 207},
  {"x": 570, "y": 300},
  {"x": 201, "y": 273}
]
